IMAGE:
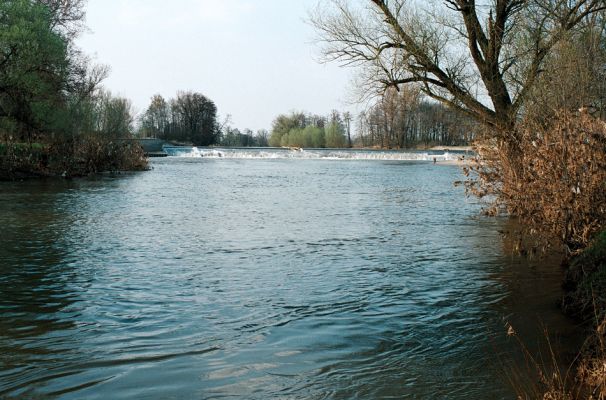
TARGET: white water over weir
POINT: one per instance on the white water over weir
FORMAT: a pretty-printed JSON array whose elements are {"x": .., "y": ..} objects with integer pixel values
[{"x": 310, "y": 154}]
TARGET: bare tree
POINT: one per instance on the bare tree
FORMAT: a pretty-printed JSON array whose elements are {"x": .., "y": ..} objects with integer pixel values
[
  {"x": 479, "y": 57},
  {"x": 574, "y": 75},
  {"x": 403, "y": 119},
  {"x": 347, "y": 119}
]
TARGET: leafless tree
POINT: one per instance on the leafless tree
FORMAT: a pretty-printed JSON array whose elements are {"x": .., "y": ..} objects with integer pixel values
[
  {"x": 403, "y": 119},
  {"x": 480, "y": 57}
]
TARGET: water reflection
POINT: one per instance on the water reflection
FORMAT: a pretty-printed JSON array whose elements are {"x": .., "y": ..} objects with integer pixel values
[
  {"x": 37, "y": 281},
  {"x": 260, "y": 279}
]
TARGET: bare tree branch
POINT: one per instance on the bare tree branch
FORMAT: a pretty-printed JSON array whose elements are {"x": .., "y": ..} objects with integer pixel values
[{"x": 481, "y": 60}]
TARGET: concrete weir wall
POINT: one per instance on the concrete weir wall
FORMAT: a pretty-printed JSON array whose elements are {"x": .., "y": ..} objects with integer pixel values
[{"x": 150, "y": 145}]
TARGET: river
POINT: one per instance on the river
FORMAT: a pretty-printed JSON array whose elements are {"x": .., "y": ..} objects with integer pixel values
[{"x": 264, "y": 277}]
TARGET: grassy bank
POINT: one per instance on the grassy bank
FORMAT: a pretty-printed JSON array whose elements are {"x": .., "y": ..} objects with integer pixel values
[
  {"x": 585, "y": 299},
  {"x": 69, "y": 158},
  {"x": 586, "y": 283}
]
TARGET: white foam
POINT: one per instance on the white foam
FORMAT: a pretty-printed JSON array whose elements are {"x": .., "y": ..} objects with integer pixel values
[
  {"x": 193, "y": 153},
  {"x": 312, "y": 154}
]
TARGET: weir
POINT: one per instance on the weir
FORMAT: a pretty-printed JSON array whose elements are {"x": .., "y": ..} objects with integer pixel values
[
  {"x": 151, "y": 146},
  {"x": 311, "y": 154}
]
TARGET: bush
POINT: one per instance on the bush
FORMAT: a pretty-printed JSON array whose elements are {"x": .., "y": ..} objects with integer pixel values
[
  {"x": 553, "y": 178},
  {"x": 93, "y": 154},
  {"x": 585, "y": 299},
  {"x": 586, "y": 283},
  {"x": 69, "y": 157},
  {"x": 310, "y": 136},
  {"x": 18, "y": 160}
]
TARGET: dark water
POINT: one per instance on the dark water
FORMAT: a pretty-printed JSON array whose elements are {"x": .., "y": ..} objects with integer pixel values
[{"x": 216, "y": 278}]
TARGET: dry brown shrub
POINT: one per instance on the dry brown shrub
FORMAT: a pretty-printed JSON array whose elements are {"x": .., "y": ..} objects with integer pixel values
[
  {"x": 552, "y": 177},
  {"x": 93, "y": 154},
  {"x": 539, "y": 377},
  {"x": 591, "y": 372},
  {"x": 69, "y": 157},
  {"x": 585, "y": 378}
]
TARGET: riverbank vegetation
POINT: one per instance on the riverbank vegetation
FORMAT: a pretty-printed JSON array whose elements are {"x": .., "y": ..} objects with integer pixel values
[
  {"x": 188, "y": 118},
  {"x": 405, "y": 119},
  {"x": 529, "y": 76},
  {"x": 232, "y": 137},
  {"x": 55, "y": 118},
  {"x": 299, "y": 129}
]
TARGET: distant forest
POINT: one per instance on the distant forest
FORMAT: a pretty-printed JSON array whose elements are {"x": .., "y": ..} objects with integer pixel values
[
  {"x": 189, "y": 118},
  {"x": 401, "y": 119},
  {"x": 405, "y": 119}
]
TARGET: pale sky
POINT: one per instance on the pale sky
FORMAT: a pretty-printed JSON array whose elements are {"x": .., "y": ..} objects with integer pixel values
[{"x": 254, "y": 58}]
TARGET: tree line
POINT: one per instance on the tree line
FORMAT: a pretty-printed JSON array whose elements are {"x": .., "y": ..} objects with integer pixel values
[
  {"x": 55, "y": 115},
  {"x": 51, "y": 96},
  {"x": 48, "y": 87},
  {"x": 404, "y": 119},
  {"x": 190, "y": 118},
  {"x": 299, "y": 129},
  {"x": 233, "y": 137}
]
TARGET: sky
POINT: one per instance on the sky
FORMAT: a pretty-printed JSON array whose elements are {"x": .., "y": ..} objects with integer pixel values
[{"x": 254, "y": 58}]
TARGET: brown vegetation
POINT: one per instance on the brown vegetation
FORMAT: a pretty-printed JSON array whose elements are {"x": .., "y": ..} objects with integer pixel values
[
  {"x": 404, "y": 118},
  {"x": 591, "y": 372},
  {"x": 71, "y": 157},
  {"x": 553, "y": 179}
]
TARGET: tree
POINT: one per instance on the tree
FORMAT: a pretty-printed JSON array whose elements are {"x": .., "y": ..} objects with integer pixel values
[
  {"x": 155, "y": 119},
  {"x": 347, "y": 118},
  {"x": 404, "y": 119},
  {"x": 198, "y": 116},
  {"x": 262, "y": 138},
  {"x": 66, "y": 16},
  {"x": 481, "y": 58},
  {"x": 33, "y": 66},
  {"x": 46, "y": 83},
  {"x": 574, "y": 75},
  {"x": 114, "y": 116},
  {"x": 191, "y": 117},
  {"x": 283, "y": 124},
  {"x": 334, "y": 134}
]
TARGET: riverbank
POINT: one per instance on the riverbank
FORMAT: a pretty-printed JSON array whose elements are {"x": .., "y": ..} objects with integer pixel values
[
  {"x": 462, "y": 161},
  {"x": 70, "y": 158},
  {"x": 451, "y": 148},
  {"x": 585, "y": 300}
]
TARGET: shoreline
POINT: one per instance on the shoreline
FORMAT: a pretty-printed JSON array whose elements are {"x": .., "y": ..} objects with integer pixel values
[
  {"x": 450, "y": 148},
  {"x": 69, "y": 159},
  {"x": 460, "y": 162}
]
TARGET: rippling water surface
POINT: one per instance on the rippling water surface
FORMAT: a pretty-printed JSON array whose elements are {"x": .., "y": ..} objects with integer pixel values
[{"x": 227, "y": 278}]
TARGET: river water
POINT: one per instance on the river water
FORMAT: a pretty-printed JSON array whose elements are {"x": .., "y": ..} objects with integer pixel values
[{"x": 263, "y": 277}]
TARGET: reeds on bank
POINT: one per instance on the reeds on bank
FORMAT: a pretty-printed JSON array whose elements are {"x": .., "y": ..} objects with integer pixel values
[
  {"x": 552, "y": 177},
  {"x": 69, "y": 157}
]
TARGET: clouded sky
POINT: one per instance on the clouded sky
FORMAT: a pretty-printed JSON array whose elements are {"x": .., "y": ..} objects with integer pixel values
[{"x": 254, "y": 58}]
